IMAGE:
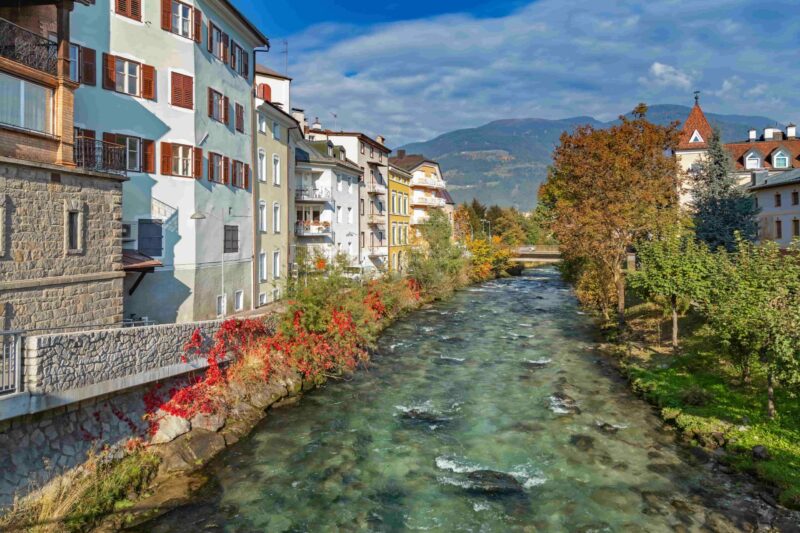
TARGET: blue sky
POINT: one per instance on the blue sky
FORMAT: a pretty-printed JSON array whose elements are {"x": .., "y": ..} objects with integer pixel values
[{"x": 413, "y": 70}]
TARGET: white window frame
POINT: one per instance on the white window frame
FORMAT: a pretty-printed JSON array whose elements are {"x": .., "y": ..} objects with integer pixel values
[
  {"x": 696, "y": 137},
  {"x": 182, "y": 154},
  {"x": 217, "y": 47},
  {"x": 276, "y": 217},
  {"x": 238, "y": 301},
  {"x": 349, "y": 215},
  {"x": 262, "y": 298},
  {"x": 221, "y": 305},
  {"x": 262, "y": 216},
  {"x": 276, "y": 169},
  {"x": 339, "y": 214},
  {"x": 780, "y": 155},
  {"x": 217, "y": 162},
  {"x": 276, "y": 264},
  {"x": 123, "y": 80},
  {"x": 748, "y": 162},
  {"x": 262, "y": 123},
  {"x": 217, "y": 103},
  {"x": 262, "y": 165},
  {"x": 263, "y": 274},
  {"x": 136, "y": 143},
  {"x": 276, "y": 131},
  {"x": 178, "y": 19}
]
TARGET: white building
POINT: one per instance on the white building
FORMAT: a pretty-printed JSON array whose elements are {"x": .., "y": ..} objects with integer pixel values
[
  {"x": 778, "y": 197},
  {"x": 327, "y": 191},
  {"x": 427, "y": 185},
  {"x": 174, "y": 86}
]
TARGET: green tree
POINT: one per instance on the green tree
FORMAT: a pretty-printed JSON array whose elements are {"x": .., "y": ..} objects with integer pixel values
[
  {"x": 440, "y": 262},
  {"x": 722, "y": 208},
  {"x": 675, "y": 271}
]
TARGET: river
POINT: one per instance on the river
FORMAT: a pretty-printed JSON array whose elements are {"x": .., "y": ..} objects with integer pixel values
[{"x": 487, "y": 412}]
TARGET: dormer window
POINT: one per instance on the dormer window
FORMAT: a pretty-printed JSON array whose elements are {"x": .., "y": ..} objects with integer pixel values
[
  {"x": 752, "y": 161},
  {"x": 696, "y": 137},
  {"x": 780, "y": 159}
]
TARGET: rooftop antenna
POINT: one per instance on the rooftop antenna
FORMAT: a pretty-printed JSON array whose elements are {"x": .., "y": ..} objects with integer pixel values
[
  {"x": 697, "y": 98},
  {"x": 285, "y": 53},
  {"x": 335, "y": 121}
]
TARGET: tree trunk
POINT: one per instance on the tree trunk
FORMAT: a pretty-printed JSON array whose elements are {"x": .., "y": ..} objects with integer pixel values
[
  {"x": 620, "y": 300},
  {"x": 674, "y": 322},
  {"x": 770, "y": 395}
]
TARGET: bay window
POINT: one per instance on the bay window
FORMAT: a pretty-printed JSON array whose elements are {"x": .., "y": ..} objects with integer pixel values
[
  {"x": 25, "y": 105},
  {"x": 182, "y": 160}
]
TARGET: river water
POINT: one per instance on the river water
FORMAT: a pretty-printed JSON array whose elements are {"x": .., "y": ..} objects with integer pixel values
[{"x": 487, "y": 412}]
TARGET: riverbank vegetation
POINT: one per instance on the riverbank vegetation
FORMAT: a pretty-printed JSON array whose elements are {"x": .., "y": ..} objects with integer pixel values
[{"x": 731, "y": 374}]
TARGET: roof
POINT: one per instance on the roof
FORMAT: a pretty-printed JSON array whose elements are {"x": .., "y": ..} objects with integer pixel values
[
  {"x": 281, "y": 112},
  {"x": 134, "y": 261},
  {"x": 695, "y": 122},
  {"x": 266, "y": 71},
  {"x": 410, "y": 162},
  {"x": 447, "y": 198},
  {"x": 320, "y": 155},
  {"x": 363, "y": 137},
  {"x": 250, "y": 26},
  {"x": 777, "y": 180},
  {"x": 740, "y": 149}
]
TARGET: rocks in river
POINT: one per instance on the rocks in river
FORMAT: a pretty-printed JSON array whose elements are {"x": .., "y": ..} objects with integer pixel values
[
  {"x": 448, "y": 360},
  {"x": 535, "y": 364},
  {"x": 563, "y": 404},
  {"x": 582, "y": 442},
  {"x": 424, "y": 416},
  {"x": 605, "y": 427},
  {"x": 760, "y": 453},
  {"x": 493, "y": 482}
]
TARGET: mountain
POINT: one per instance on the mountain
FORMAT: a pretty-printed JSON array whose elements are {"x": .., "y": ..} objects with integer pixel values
[{"x": 505, "y": 161}]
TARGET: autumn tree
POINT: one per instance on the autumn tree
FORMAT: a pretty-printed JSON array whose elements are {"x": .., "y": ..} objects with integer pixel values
[{"x": 609, "y": 188}]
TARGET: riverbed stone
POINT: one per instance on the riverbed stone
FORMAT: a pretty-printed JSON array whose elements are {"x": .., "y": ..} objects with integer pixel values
[
  {"x": 208, "y": 422},
  {"x": 170, "y": 427},
  {"x": 205, "y": 444},
  {"x": 760, "y": 453},
  {"x": 492, "y": 482},
  {"x": 582, "y": 442}
]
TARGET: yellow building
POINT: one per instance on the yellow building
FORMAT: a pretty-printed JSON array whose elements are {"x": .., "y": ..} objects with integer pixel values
[{"x": 399, "y": 217}]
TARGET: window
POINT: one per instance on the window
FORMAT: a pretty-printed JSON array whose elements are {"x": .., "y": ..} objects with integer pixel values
[
  {"x": 181, "y": 19},
  {"x": 339, "y": 183},
  {"x": 262, "y": 216},
  {"x": 133, "y": 146},
  {"x": 372, "y": 151},
  {"x": 262, "y": 165},
  {"x": 239, "y": 60},
  {"x": 216, "y": 105},
  {"x": 777, "y": 199},
  {"x": 362, "y": 149},
  {"x": 752, "y": 162},
  {"x": 276, "y": 264},
  {"x": 126, "y": 76},
  {"x": 350, "y": 185},
  {"x": 129, "y": 8},
  {"x": 362, "y": 207},
  {"x": 276, "y": 294},
  {"x": 25, "y": 104},
  {"x": 238, "y": 300},
  {"x": 218, "y": 42},
  {"x": 239, "y": 117},
  {"x": 339, "y": 215},
  {"x": 216, "y": 171},
  {"x": 394, "y": 234},
  {"x": 221, "y": 305},
  {"x": 780, "y": 160},
  {"x": 778, "y": 229},
  {"x": 276, "y": 131},
  {"x": 262, "y": 298},
  {"x": 182, "y": 90},
  {"x": 231, "y": 244},
  {"x": 696, "y": 137},
  {"x": 795, "y": 197},
  {"x": 362, "y": 239},
  {"x": 276, "y": 217},
  {"x": 73, "y": 231},
  {"x": 276, "y": 169},
  {"x": 262, "y": 266},
  {"x": 151, "y": 240},
  {"x": 182, "y": 160},
  {"x": 349, "y": 215},
  {"x": 394, "y": 202},
  {"x": 796, "y": 228},
  {"x": 262, "y": 123},
  {"x": 74, "y": 62}
]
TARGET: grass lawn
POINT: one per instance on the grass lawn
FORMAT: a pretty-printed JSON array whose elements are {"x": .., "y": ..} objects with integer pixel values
[{"x": 705, "y": 398}]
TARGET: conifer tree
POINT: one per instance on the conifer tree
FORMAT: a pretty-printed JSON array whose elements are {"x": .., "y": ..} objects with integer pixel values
[{"x": 721, "y": 206}]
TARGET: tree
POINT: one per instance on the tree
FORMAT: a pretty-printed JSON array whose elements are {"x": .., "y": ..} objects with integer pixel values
[
  {"x": 608, "y": 189},
  {"x": 508, "y": 226},
  {"x": 439, "y": 261},
  {"x": 754, "y": 310},
  {"x": 675, "y": 271},
  {"x": 721, "y": 207}
]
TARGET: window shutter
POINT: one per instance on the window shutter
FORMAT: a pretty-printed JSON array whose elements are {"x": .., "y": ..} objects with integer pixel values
[
  {"x": 246, "y": 176},
  {"x": 148, "y": 82},
  {"x": 135, "y": 9},
  {"x": 175, "y": 89},
  {"x": 225, "y": 45},
  {"x": 210, "y": 102},
  {"x": 265, "y": 92},
  {"x": 109, "y": 72},
  {"x": 233, "y": 54},
  {"x": 225, "y": 105},
  {"x": 197, "y": 163},
  {"x": 149, "y": 153},
  {"x": 245, "y": 65},
  {"x": 226, "y": 170},
  {"x": 88, "y": 74},
  {"x": 211, "y": 169},
  {"x": 210, "y": 38},
  {"x": 197, "y": 17},
  {"x": 122, "y": 7},
  {"x": 166, "y": 15},
  {"x": 188, "y": 91},
  {"x": 166, "y": 159}
]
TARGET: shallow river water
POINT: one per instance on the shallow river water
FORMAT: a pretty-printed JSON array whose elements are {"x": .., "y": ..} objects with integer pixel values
[{"x": 487, "y": 412}]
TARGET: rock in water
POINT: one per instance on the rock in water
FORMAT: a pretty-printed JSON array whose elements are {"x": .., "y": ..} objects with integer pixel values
[
  {"x": 492, "y": 482},
  {"x": 427, "y": 417},
  {"x": 582, "y": 442},
  {"x": 605, "y": 427}
]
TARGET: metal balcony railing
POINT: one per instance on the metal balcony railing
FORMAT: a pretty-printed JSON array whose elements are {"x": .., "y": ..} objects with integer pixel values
[
  {"x": 94, "y": 154},
  {"x": 312, "y": 195},
  {"x": 28, "y": 48},
  {"x": 302, "y": 229}
]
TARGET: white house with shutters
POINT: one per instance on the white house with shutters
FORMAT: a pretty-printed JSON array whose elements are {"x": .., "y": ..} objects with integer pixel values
[{"x": 171, "y": 80}]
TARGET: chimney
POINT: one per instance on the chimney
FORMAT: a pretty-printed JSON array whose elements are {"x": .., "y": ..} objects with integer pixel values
[
  {"x": 401, "y": 154},
  {"x": 300, "y": 116},
  {"x": 753, "y": 134},
  {"x": 767, "y": 134},
  {"x": 791, "y": 131},
  {"x": 316, "y": 125},
  {"x": 381, "y": 139},
  {"x": 777, "y": 135}
]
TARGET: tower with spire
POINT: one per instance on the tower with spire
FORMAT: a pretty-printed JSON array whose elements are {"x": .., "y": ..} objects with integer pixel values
[{"x": 692, "y": 144}]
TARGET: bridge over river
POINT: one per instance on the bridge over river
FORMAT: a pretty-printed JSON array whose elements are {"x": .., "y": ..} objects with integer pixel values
[{"x": 540, "y": 253}]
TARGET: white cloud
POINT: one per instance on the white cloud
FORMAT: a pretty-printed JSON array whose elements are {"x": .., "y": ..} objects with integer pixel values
[{"x": 412, "y": 80}]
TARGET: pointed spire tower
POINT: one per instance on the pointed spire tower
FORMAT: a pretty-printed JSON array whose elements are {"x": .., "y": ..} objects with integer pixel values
[{"x": 696, "y": 130}]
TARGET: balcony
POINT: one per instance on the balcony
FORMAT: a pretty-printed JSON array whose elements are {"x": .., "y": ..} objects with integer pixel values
[
  {"x": 427, "y": 201},
  {"x": 100, "y": 156},
  {"x": 377, "y": 218},
  {"x": 312, "y": 195},
  {"x": 416, "y": 220},
  {"x": 376, "y": 188},
  {"x": 27, "y": 48},
  {"x": 312, "y": 229},
  {"x": 378, "y": 251},
  {"x": 433, "y": 183}
]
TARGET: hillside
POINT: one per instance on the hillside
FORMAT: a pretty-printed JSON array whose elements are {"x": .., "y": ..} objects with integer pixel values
[{"x": 504, "y": 162}]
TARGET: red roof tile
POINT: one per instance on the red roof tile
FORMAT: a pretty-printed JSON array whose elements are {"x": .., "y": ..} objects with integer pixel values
[
  {"x": 695, "y": 122},
  {"x": 766, "y": 148}
]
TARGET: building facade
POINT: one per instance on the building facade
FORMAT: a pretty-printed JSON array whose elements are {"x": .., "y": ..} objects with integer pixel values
[
  {"x": 327, "y": 192},
  {"x": 399, "y": 218},
  {"x": 277, "y": 134},
  {"x": 427, "y": 185},
  {"x": 692, "y": 148},
  {"x": 373, "y": 157},
  {"x": 61, "y": 262},
  {"x": 177, "y": 76},
  {"x": 778, "y": 197}
]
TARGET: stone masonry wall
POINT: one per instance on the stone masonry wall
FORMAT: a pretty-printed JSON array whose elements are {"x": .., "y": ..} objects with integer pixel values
[
  {"x": 64, "y": 361},
  {"x": 43, "y": 285}
]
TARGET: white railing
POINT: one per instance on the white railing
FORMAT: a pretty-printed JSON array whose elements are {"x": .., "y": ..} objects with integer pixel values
[
  {"x": 312, "y": 195},
  {"x": 377, "y": 218},
  {"x": 376, "y": 188},
  {"x": 429, "y": 201},
  {"x": 310, "y": 230},
  {"x": 434, "y": 183},
  {"x": 378, "y": 251},
  {"x": 10, "y": 362}
]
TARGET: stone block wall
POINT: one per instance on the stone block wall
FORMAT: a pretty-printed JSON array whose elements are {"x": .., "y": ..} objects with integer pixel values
[{"x": 43, "y": 285}]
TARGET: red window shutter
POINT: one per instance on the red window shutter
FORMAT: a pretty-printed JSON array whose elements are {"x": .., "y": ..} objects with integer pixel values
[
  {"x": 233, "y": 54},
  {"x": 88, "y": 70},
  {"x": 225, "y": 44},
  {"x": 175, "y": 89},
  {"x": 149, "y": 82},
  {"x": 210, "y": 102},
  {"x": 266, "y": 92},
  {"x": 197, "y": 18},
  {"x": 225, "y": 105},
  {"x": 109, "y": 72},
  {"x": 188, "y": 91},
  {"x": 135, "y": 9},
  {"x": 210, "y": 33},
  {"x": 226, "y": 170},
  {"x": 149, "y": 163},
  {"x": 211, "y": 168},
  {"x": 246, "y": 176},
  {"x": 122, "y": 7},
  {"x": 166, "y": 15},
  {"x": 166, "y": 159},
  {"x": 245, "y": 65},
  {"x": 197, "y": 163}
]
